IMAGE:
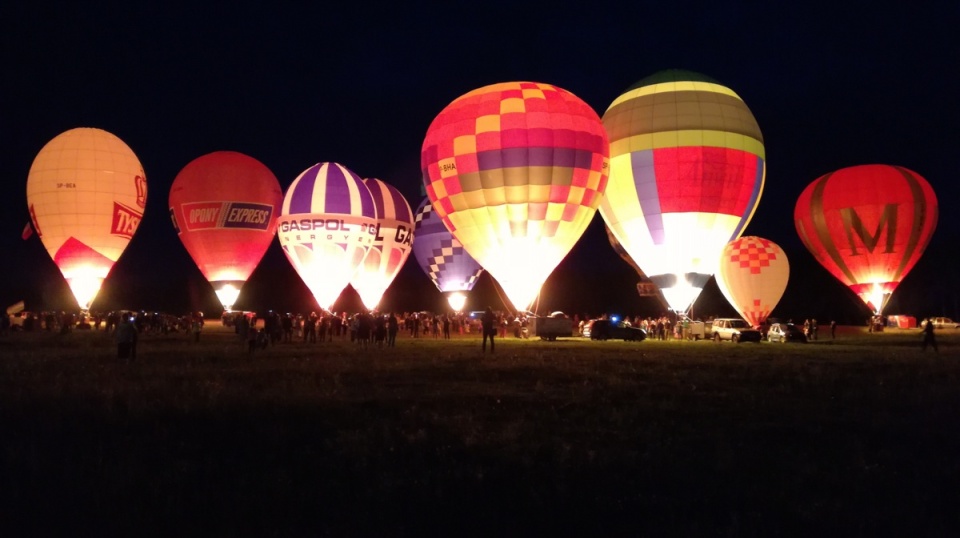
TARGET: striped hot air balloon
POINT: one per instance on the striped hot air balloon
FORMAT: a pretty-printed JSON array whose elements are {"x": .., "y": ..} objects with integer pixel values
[
  {"x": 86, "y": 193},
  {"x": 442, "y": 257},
  {"x": 687, "y": 168},
  {"x": 327, "y": 224},
  {"x": 868, "y": 225},
  {"x": 391, "y": 246},
  {"x": 516, "y": 171}
]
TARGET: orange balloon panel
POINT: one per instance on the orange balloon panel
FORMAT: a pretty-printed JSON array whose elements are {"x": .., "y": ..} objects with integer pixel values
[
  {"x": 516, "y": 171},
  {"x": 86, "y": 193},
  {"x": 753, "y": 275},
  {"x": 224, "y": 206},
  {"x": 868, "y": 225}
]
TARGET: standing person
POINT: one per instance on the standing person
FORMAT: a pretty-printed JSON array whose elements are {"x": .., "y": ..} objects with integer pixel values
[
  {"x": 928, "y": 337},
  {"x": 446, "y": 327},
  {"x": 488, "y": 323},
  {"x": 380, "y": 330},
  {"x": 393, "y": 325},
  {"x": 126, "y": 336},
  {"x": 196, "y": 325},
  {"x": 833, "y": 329}
]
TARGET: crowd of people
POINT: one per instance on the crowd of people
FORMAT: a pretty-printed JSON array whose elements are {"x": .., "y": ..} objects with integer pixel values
[{"x": 364, "y": 329}]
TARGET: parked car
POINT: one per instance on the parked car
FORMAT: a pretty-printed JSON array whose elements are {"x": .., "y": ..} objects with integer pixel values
[
  {"x": 941, "y": 323},
  {"x": 605, "y": 329},
  {"x": 785, "y": 332},
  {"x": 734, "y": 329}
]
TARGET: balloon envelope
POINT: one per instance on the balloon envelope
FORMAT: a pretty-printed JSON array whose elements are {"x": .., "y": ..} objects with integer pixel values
[
  {"x": 86, "y": 193},
  {"x": 391, "y": 246},
  {"x": 753, "y": 275},
  {"x": 327, "y": 224},
  {"x": 868, "y": 225},
  {"x": 687, "y": 170},
  {"x": 224, "y": 206},
  {"x": 516, "y": 171},
  {"x": 440, "y": 254}
]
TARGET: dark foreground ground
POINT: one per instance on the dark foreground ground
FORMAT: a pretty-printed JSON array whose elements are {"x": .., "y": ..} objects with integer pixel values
[{"x": 854, "y": 437}]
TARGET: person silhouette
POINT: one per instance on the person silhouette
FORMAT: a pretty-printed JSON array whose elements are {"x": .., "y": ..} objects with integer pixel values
[{"x": 488, "y": 323}]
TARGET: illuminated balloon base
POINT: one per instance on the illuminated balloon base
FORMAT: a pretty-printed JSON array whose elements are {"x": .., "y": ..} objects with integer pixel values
[
  {"x": 85, "y": 289},
  {"x": 227, "y": 291},
  {"x": 457, "y": 301},
  {"x": 680, "y": 291},
  {"x": 875, "y": 295}
]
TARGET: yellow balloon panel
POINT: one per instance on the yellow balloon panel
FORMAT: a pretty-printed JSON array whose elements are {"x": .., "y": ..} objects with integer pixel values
[{"x": 86, "y": 193}]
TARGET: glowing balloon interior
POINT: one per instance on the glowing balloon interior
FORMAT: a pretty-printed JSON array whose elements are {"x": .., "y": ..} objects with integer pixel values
[
  {"x": 327, "y": 225},
  {"x": 686, "y": 173},
  {"x": 516, "y": 171},
  {"x": 441, "y": 256},
  {"x": 224, "y": 206},
  {"x": 753, "y": 275},
  {"x": 86, "y": 193},
  {"x": 868, "y": 225},
  {"x": 391, "y": 246}
]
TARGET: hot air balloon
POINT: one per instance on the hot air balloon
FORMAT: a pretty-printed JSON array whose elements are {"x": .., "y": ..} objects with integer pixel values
[
  {"x": 86, "y": 193},
  {"x": 391, "y": 246},
  {"x": 224, "y": 206},
  {"x": 753, "y": 275},
  {"x": 868, "y": 225},
  {"x": 686, "y": 172},
  {"x": 442, "y": 257},
  {"x": 516, "y": 171},
  {"x": 327, "y": 224}
]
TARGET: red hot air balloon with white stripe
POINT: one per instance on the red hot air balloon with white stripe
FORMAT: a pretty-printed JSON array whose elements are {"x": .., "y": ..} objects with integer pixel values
[
  {"x": 327, "y": 224},
  {"x": 753, "y": 275},
  {"x": 392, "y": 243}
]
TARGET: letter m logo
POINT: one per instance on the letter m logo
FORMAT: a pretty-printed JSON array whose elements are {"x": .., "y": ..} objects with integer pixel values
[{"x": 853, "y": 227}]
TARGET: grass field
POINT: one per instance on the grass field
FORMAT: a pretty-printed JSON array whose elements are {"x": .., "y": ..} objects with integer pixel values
[{"x": 859, "y": 436}]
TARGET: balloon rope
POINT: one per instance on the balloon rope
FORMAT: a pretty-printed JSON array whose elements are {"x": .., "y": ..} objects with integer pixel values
[{"x": 503, "y": 301}]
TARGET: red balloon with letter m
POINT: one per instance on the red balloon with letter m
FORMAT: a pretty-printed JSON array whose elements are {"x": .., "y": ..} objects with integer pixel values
[{"x": 868, "y": 225}]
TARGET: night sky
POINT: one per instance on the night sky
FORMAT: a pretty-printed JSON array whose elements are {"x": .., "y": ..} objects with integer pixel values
[{"x": 831, "y": 84}]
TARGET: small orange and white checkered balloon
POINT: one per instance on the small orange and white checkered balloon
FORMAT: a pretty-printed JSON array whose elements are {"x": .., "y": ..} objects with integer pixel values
[{"x": 753, "y": 275}]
